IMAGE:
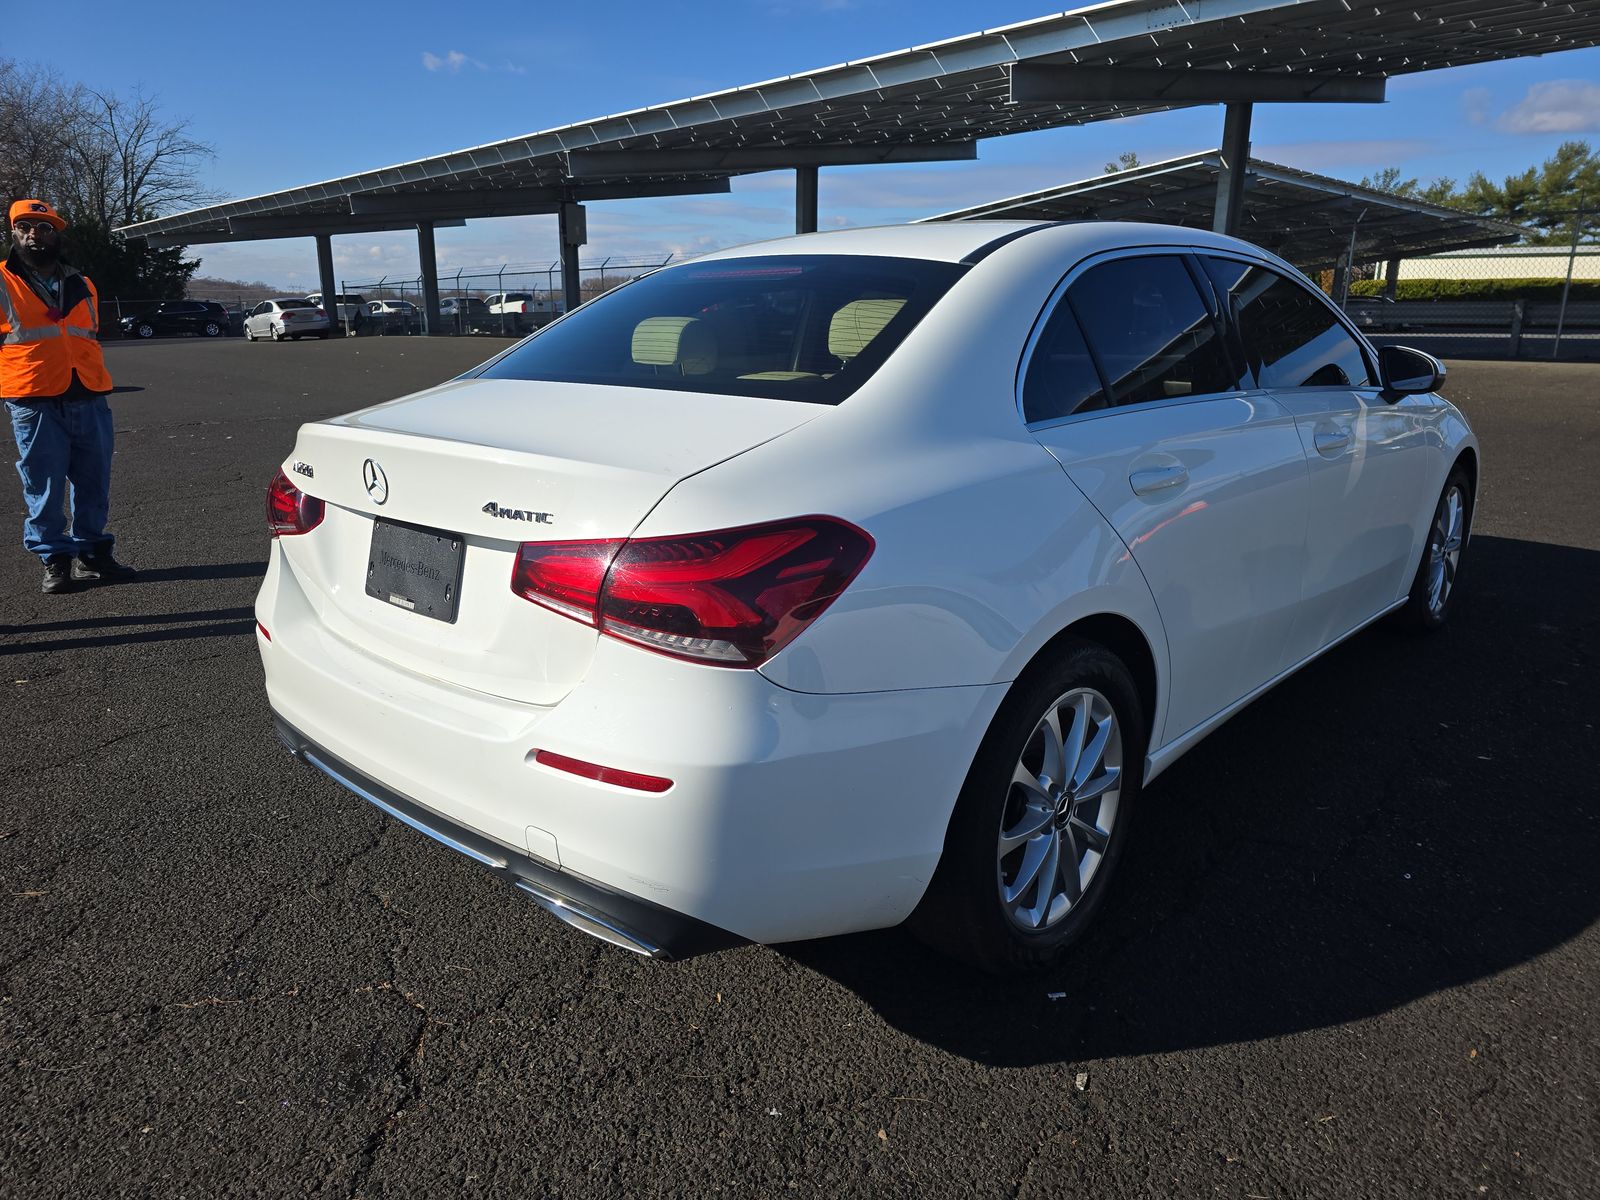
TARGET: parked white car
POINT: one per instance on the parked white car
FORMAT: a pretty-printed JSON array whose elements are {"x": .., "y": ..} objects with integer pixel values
[
  {"x": 843, "y": 579},
  {"x": 288, "y": 318}
]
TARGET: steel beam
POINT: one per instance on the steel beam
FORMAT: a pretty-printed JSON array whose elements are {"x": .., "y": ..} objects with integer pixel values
[
  {"x": 805, "y": 199},
  {"x": 330, "y": 295},
  {"x": 574, "y": 233},
  {"x": 1035, "y": 82},
  {"x": 428, "y": 256},
  {"x": 602, "y": 164},
  {"x": 291, "y": 225},
  {"x": 1229, "y": 212},
  {"x": 516, "y": 202}
]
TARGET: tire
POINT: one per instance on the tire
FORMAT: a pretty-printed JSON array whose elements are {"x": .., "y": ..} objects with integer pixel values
[
  {"x": 981, "y": 906},
  {"x": 1434, "y": 587},
  {"x": 211, "y": 329},
  {"x": 324, "y": 336},
  {"x": 145, "y": 330},
  {"x": 248, "y": 336},
  {"x": 277, "y": 333}
]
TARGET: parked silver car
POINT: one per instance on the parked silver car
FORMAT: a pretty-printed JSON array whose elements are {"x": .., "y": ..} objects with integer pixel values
[{"x": 289, "y": 317}]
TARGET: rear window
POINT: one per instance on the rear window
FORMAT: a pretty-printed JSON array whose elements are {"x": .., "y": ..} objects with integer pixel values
[
  {"x": 808, "y": 327},
  {"x": 295, "y": 304},
  {"x": 519, "y": 296}
]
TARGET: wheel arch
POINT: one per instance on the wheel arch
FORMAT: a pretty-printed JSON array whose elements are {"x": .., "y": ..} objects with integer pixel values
[
  {"x": 1128, "y": 642},
  {"x": 1468, "y": 461}
]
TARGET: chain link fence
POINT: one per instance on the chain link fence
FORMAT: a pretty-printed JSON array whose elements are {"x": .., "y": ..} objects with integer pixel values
[
  {"x": 1508, "y": 302},
  {"x": 508, "y": 301}
]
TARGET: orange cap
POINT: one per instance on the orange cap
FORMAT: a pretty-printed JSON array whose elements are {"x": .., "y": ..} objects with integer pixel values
[{"x": 36, "y": 210}]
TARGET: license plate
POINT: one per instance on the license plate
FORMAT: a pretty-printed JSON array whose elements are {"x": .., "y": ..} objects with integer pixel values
[{"x": 416, "y": 569}]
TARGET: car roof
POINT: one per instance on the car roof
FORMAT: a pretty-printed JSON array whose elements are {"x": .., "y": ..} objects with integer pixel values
[{"x": 957, "y": 241}]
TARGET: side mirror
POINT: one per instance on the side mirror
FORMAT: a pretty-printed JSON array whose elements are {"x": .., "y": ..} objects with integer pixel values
[{"x": 1407, "y": 372}]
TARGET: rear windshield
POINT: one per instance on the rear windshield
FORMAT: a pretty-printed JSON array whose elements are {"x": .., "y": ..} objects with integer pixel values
[
  {"x": 812, "y": 327},
  {"x": 518, "y": 296},
  {"x": 295, "y": 304}
]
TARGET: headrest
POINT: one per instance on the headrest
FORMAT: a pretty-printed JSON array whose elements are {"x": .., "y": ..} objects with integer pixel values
[
  {"x": 683, "y": 342},
  {"x": 857, "y": 323}
]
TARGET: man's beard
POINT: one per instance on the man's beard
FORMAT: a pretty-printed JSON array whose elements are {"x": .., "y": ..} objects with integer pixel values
[{"x": 40, "y": 258}]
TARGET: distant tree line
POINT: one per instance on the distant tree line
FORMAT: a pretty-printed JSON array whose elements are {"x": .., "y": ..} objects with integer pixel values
[
  {"x": 1546, "y": 199},
  {"x": 103, "y": 160}
]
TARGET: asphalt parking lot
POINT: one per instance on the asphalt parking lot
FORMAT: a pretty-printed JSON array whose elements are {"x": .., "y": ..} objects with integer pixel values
[{"x": 1352, "y": 952}]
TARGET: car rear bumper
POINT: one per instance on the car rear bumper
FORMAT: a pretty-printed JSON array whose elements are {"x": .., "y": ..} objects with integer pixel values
[
  {"x": 622, "y": 920},
  {"x": 790, "y": 815}
]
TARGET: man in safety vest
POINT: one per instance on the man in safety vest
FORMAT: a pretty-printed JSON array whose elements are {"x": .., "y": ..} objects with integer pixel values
[{"x": 54, "y": 381}]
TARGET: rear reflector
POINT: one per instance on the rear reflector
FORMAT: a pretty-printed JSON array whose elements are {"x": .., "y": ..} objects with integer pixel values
[
  {"x": 289, "y": 510},
  {"x": 262, "y": 629},
  {"x": 730, "y": 597},
  {"x": 624, "y": 779}
]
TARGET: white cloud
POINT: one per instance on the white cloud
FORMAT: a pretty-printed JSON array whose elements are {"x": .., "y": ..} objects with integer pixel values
[
  {"x": 1556, "y": 106},
  {"x": 454, "y": 60},
  {"x": 1475, "y": 102}
]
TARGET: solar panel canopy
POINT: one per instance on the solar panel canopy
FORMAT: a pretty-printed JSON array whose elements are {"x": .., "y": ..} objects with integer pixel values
[
  {"x": 931, "y": 101},
  {"x": 1306, "y": 218}
]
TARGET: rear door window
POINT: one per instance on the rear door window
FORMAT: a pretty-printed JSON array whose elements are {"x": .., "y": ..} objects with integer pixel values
[
  {"x": 1292, "y": 338},
  {"x": 1152, "y": 334}
]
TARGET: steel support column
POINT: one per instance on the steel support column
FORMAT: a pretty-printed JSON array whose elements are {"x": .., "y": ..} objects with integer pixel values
[
  {"x": 1391, "y": 278},
  {"x": 574, "y": 233},
  {"x": 330, "y": 297},
  {"x": 805, "y": 199},
  {"x": 430, "y": 277},
  {"x": 1228, "y": 216}
]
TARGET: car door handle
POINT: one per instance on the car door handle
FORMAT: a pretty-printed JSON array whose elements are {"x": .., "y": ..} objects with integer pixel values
[
  {"x": 1332, "y": 443},
  {"x": 1160, "y": 479}
]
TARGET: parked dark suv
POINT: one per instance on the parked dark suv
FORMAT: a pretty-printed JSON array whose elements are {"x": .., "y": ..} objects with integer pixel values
[{"x": 203, "y": 317}]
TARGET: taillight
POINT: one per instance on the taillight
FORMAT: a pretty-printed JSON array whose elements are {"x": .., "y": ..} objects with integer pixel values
[
  {"x": 289, "y": 510},
  {"x": 732, "y": 597},
  {"x": 288, "y": 315},
  {"x": 322, "y": 312}
]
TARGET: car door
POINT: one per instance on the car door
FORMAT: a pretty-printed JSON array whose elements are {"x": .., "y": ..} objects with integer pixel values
[
  {"x": 1367, "y": 458},
  {"x": 1131, "y": 384}
]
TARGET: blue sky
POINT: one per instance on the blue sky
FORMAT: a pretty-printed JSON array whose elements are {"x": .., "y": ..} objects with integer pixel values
[{"x": 349, "y": 86}]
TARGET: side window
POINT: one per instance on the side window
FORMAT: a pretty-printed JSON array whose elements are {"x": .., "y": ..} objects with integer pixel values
[
  {"x": 1291, "y": 338},
  {"x": 260, "y": 308},
  {"x": 1061, "y": 378},
  {"x": 1154, "y": 336}
]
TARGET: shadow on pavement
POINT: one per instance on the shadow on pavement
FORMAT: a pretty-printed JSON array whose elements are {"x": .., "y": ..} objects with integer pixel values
[
  {"x": 1404, "y": 816},
  {"x": 242, "y": 570}
]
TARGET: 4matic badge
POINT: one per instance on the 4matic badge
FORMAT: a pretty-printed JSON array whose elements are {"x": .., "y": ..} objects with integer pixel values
[{"x": 518, "y": 514}]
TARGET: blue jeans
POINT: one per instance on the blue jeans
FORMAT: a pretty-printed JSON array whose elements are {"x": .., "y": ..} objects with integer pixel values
[{"x": 65, "y": 449}]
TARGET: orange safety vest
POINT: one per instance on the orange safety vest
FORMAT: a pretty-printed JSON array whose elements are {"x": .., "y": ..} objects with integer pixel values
[{"x": 40, "y": 349}]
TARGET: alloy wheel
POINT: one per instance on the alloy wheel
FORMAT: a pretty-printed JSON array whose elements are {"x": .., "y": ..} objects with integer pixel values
[
  {"x": 1060, "y": 810},
  {"x": 1444, "y": 548}
]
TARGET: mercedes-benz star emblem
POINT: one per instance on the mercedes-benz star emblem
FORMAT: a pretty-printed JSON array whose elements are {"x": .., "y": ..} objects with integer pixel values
[{"x": 376, "y": 482}]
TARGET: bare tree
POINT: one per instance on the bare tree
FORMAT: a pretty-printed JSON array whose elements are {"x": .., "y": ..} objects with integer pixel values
[
  {"x": 130, "y": 163},
  {"x": 39, "y": 117}
]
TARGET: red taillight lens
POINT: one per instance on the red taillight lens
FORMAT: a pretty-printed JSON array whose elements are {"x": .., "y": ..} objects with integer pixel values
[
  {"x": 289, "y": 510},
  {"x": 611, "y": 775},
  {"x": 288, "y": 315},
  {"x": 564, "y": 576},
  {"x": 732, "y": 597}
]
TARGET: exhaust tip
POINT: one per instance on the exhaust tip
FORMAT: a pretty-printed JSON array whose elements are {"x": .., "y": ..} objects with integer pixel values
[{"x": 591, "y": 924}]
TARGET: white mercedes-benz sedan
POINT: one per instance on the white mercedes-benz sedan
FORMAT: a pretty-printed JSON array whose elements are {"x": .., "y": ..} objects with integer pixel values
[{"x": 846, "y": 579}]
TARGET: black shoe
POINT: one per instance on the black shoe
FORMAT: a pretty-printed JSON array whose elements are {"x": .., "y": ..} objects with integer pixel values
[
  {"x": 57, "y": 574},
  {"x": 99, "y": 565}
]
